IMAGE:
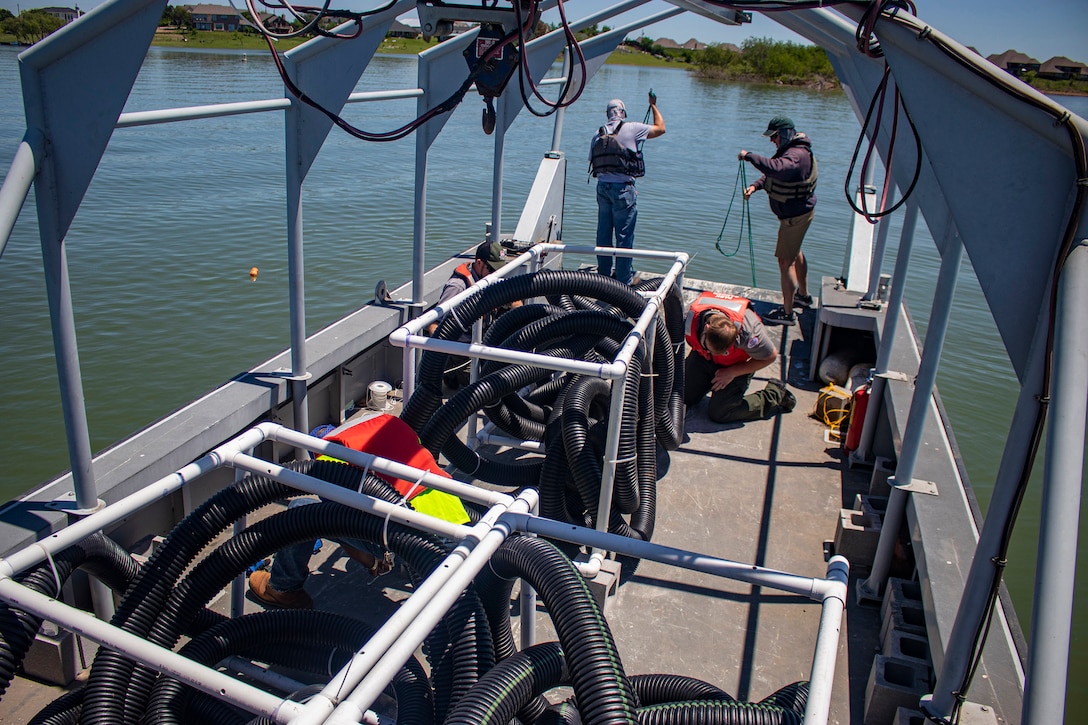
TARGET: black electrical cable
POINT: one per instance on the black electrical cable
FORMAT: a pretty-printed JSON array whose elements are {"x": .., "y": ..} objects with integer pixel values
[
  {"x": 447, "y": 105},
  {"x": 878, "y": 98},
  {"x": 577, "y": 62}
]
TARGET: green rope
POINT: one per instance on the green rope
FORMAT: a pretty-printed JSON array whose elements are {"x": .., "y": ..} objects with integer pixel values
[{"x": 745, "y": 219}]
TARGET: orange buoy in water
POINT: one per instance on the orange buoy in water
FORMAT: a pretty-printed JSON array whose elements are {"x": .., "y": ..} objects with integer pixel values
[{"x": 253, "y": 274}]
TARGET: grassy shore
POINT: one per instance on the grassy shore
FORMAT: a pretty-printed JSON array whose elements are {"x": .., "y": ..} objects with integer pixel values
[
  {"x": 246, "y": 41},
  {"x": 623, "y": 55}
]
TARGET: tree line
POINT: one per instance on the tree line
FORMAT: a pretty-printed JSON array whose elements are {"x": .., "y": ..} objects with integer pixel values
[
  {"x": 29, "y": 26},
  {"x": 758, "y": 59}
]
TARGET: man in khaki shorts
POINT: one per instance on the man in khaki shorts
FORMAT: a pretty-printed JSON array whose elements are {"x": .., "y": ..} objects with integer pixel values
[{"x": 789, "y": 178}]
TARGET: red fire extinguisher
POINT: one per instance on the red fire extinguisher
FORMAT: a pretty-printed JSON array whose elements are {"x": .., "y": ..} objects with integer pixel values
[{"x": 857, "y": 417}]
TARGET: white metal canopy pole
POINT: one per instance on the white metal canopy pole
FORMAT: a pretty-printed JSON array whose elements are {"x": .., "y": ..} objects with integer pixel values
[
  {"x": 1052, "y": 615},
  {"x": 888, "y": 332},
  {"x": 920, "y": 403}
]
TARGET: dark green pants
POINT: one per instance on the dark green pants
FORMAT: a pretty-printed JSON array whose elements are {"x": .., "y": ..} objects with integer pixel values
[{"x": 730, "y": 404}]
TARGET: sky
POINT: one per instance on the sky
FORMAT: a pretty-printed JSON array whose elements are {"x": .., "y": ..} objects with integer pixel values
[{"x": 1041, "y": 29}]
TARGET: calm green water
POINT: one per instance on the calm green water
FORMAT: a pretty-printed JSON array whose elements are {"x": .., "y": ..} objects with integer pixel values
[{"x": 177, "y": 215}]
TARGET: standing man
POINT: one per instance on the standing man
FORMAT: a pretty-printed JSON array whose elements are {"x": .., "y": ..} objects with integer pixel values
[
  {"x": 615, "y": 159},
  {"x": 728, "y": 345},
  {"x": 789, "y": 178}
]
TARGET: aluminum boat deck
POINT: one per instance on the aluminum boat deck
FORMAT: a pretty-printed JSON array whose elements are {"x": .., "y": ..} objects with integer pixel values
[{"x": 767, "y": 493}]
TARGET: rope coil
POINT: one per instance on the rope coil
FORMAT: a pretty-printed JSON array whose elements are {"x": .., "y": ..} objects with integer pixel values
[{"x": 740, "y": 183}]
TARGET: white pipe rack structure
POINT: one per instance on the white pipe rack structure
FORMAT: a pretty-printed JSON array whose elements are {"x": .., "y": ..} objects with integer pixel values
[
  {"x": 410, "y": 336},
  {"x": 350, "y": 694}
]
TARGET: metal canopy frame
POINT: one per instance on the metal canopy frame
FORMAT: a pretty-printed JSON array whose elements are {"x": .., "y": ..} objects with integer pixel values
[{"x": 62, "y": 148}]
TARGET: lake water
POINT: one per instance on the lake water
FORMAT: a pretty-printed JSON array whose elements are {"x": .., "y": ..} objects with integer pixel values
[{"x": 160, "y": 251}]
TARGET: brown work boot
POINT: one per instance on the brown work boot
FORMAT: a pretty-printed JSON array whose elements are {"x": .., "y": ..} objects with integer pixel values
[{"x": 263, "y": 591}]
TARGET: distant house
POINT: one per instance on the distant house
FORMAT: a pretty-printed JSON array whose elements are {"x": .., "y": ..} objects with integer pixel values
[
  {"x": 216, "y": 18},
  {"x": 727, "y": 46},
  {"x": 65, "y": 14},
  {"x": 459, "y": 27},
  {"x": 276, "y": 23},
  {"x": 670, "y": 44},
  {"x": 1015, "y": 63},
  {"x": 1060, "y": 68},
  {"x": 400, "y": 30}
]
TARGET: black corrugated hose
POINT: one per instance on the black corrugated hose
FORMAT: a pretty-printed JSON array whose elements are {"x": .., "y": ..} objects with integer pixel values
[
  {"x": 784, "y": 707},
  {"x": 602, "y": 690},
  {"x": 658, "y": 689},
  {"x": 289, "y": 630},
  {"x": 511, "y": 685},
  {"x": 143, "y": 601},
  {"x": 293, "y": 526},
  {"x": 428, "y": 396},
  {"x": 98, "y": 555},
  {"x": 142, "y": 607}
]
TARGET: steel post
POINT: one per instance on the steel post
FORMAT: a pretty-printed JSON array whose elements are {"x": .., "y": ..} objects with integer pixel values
[
  {"x": 877, "y": 260},
  {"x": 920, "y": 404},
  {"x": 888, "y": 331},
  {"x": 1052, "y": 614},
  {"x": 296, "y": 272}
]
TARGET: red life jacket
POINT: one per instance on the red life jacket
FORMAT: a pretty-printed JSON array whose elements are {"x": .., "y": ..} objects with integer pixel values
[
  {"x": 390, "y": 437},
  {"x": 464, "y": 271},
  {"x": 734, "y": 308}
]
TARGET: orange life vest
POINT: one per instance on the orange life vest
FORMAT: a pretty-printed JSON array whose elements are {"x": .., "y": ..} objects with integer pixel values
[
  {"x": 464, "y": 271},
  {"x": 734, "y": 308},
  {"x": 390, "y": 437}
]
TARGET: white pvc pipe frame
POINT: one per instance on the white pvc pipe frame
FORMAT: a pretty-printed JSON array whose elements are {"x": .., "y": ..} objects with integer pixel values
[
  {"x": 410, "y": 336},
  {"x": 374, "y": 665}
]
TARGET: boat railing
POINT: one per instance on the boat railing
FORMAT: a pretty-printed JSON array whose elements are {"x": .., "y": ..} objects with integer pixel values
[{"x": 368, "y": 672}]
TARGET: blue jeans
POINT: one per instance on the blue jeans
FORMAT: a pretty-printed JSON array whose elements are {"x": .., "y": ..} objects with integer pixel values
[
  {"x": 291, "y": 566},
  {"x": 617, "y": 211}
]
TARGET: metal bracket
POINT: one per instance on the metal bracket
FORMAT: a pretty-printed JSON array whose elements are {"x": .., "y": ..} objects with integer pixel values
[
  {"x": 285, "y": 374},
  {"x": 916, "y": 485},
  {"x": 894, "y": 375},
  {"x": 436, "y": 18},
  {"x": 382, "y": 298},
  {"x": 66, "y": 503}
]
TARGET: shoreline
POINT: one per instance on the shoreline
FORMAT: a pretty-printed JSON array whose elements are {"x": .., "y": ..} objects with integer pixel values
[{"x": 625, "y": 57}]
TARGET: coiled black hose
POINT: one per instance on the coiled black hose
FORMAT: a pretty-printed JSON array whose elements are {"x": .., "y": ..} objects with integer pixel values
[
  {"x": 288, "y": 630},
  {"x": 603, "y": 692},
  {"x": 142, "y": 608},
  {"x": 438, "y": 434},
  {"x": 563, "y": 713},
  {"x": 542, "y": 333},
  {"x": 582, "y": 458},
  {"x": 511, "y": 685},
  {"x": 428, "y": 396},
  {"x": 710, "y": 712},
  {"x": 515, "y": 319},
  {"x": 293, "y": 526},
  {"x": 656, "y": 689},
  {"x": 62, "y": 711},
  {"x": 670, "y": 410},
  {"x": 784, "y": 707},
  {"x": 96, "y": 554}
]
